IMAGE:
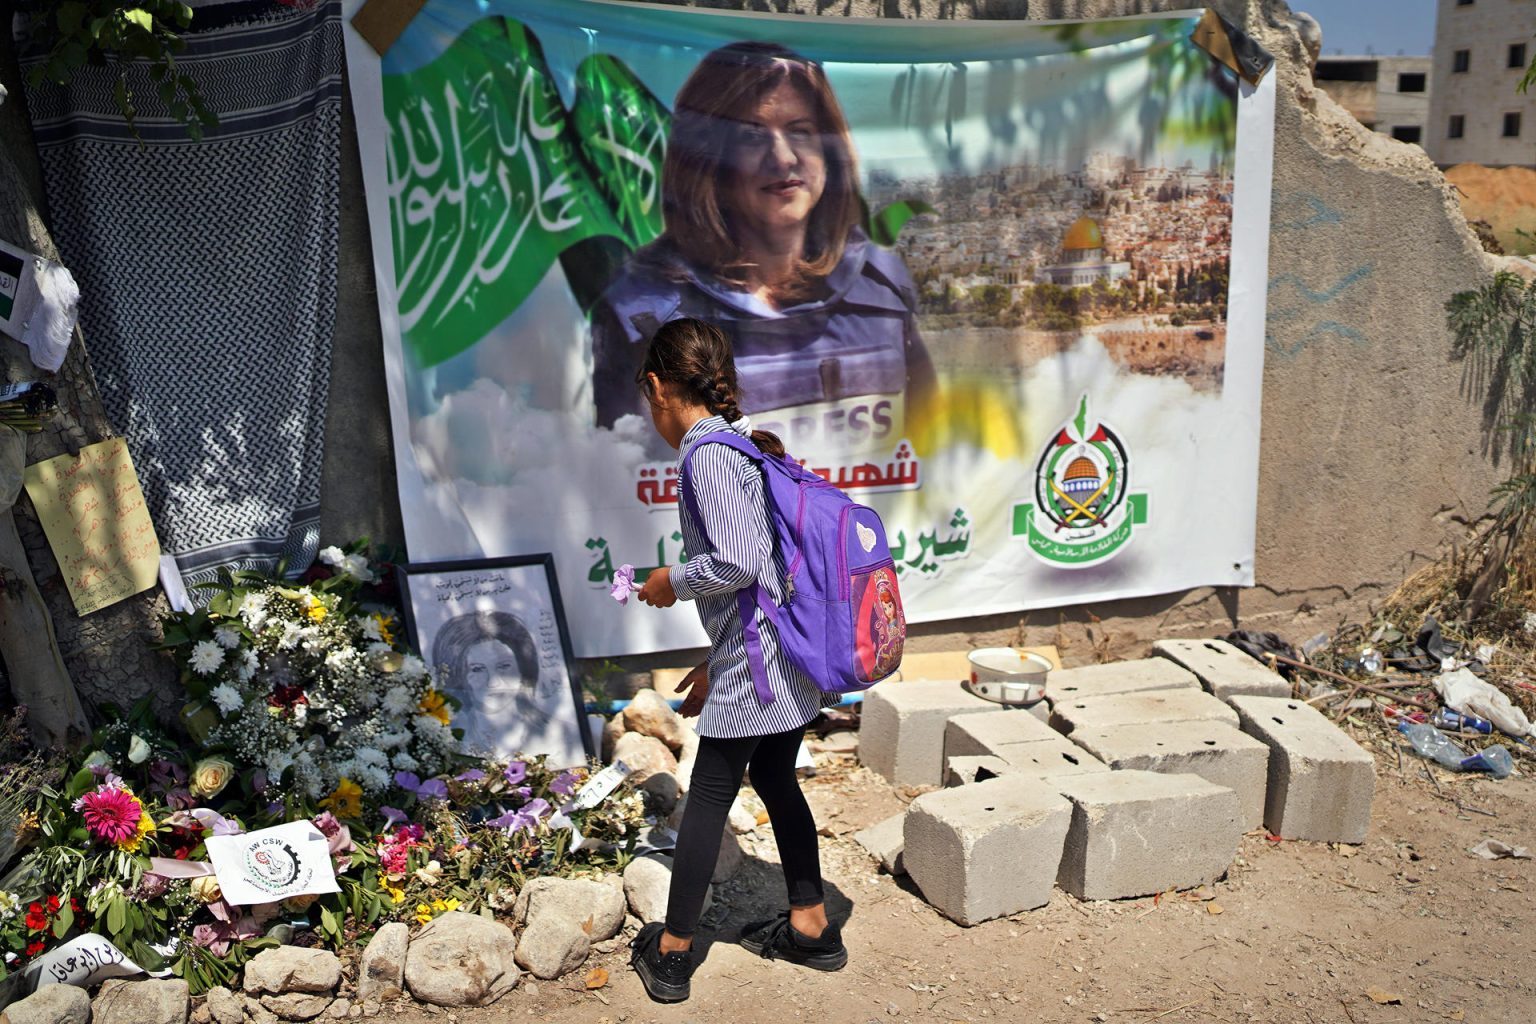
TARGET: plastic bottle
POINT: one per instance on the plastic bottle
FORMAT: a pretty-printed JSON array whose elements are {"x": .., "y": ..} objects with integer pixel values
[
  {"x": 1434, "y": 744},
  {"x": 1495, "y": 760},
  {"x": 1445, "y": 718}
]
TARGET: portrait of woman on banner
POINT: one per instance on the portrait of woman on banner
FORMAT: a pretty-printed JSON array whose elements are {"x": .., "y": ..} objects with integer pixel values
[{"x": 762, "y": 238}]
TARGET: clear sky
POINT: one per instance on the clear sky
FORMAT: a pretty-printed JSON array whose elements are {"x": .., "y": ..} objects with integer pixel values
[{"x": 1377, "y": 26}]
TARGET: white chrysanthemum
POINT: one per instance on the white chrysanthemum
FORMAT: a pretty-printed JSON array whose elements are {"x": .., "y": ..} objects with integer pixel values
[
  {"x": 227, "y": 637},
  {"x": 226, "y": 698},
  {"x": 369, "y": 627},
  {"x": 394, "y": 740},
  {"x": 404, "y": 762},
  {"x": 378, "y": 648},
  {"x": 373, "y": 780},
  {"x": 412, "y": 668},
  {"x": 249, "y": 663},
  {"x": 207, "y": 656},
  {"x": 399, "y": 701},
  {"x": 278, "y": 761},
  {"x": 292, "y": 632},
  {"x": 372, "y": 756},
  {"x": 332, "y": 555},
  {"x": 338, "y": 659}
]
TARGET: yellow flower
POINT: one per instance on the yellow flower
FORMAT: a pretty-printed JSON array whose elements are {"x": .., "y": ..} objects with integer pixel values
[
  {"x": 450, "y": 905},
  {"x": 439, "y": 906},
  {"x": 434, "y": 704},
  {"x": 317, "y": 612},
  {"x": 209, "y": 777},
  {"x": 145, "y": 826},
  {"x": 347, "y": 801},
  {"x": 397, "y": 895},
  {"x": 384, "y": 622},
  {"x": 423, "y": 913}
]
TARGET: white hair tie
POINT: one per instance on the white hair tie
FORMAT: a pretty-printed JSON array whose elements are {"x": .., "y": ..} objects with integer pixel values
[{"x": 742, "y": 426}]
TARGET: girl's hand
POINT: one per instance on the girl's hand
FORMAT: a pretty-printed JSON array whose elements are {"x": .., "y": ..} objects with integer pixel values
[
  {"x": 658, "y": 592},
  {"x": 697, "y": 685}
]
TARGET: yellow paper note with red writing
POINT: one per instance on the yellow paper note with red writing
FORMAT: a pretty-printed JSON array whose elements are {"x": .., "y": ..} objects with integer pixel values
[{"x": 94, "y": 516}]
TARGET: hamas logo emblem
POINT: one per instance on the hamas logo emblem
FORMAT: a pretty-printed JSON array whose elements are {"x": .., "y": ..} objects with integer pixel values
[{"x": 1084, "y": 511}]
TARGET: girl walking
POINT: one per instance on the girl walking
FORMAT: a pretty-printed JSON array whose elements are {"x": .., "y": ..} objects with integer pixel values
[{"x": 689, "y": 379}]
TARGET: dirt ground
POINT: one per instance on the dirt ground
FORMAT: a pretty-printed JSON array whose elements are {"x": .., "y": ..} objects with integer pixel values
[{"x": 1295, "y": 932}]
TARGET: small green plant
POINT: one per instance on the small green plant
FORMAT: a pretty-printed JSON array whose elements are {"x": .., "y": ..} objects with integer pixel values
[
  {"x": 1495, "y": 327},
  {"x": 81, "y": 32}
]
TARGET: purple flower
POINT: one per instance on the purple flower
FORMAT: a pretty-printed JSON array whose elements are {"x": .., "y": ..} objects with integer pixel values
[
  {"x": 181, "y": 799},
  {"x": 259, "y": 781},
  {"x": 623, "y": 584},
  {"x": 473, "y": 775},
  {"x": 431, "y": 789},
  {"x": 516, "y": 772},
  {"x": 564, "y": 784},
  {"x": 393, "y": 816},
  {"x": 525, "y": 817}
]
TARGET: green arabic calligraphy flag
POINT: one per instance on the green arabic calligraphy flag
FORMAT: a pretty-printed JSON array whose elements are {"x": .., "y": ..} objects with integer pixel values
[
  {"x": 623, "y": 129},
  {"x": 487, "y": 187}
]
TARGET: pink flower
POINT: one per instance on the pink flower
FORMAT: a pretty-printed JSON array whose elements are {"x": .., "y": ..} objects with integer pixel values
[{"x": 111, "y": 815}]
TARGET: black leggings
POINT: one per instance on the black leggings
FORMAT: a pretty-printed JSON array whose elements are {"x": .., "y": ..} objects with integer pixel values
[{"x": 716, "y": 779}]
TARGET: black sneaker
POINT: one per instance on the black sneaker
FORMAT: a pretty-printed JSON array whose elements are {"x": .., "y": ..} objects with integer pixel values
[
  {"x": 666, "y": 978},
  {"x": 778, "y": 940}
]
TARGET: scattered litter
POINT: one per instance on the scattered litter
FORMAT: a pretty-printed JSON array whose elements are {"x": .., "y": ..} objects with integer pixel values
[
  {"x": 1462, "y": 691},
  {"x": 1214, "y": 908},
  {"x": 597, "y": 977},
  {"x": 1435, "y": 745},
  {"x": 1493, "y": 849}
]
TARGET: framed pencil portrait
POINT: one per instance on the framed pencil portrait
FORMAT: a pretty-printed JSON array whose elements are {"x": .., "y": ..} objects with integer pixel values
[{"x": 494, "y": 631}]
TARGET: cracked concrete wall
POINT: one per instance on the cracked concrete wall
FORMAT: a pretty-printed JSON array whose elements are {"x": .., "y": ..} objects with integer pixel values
[{"x": 1373, "y": 456}]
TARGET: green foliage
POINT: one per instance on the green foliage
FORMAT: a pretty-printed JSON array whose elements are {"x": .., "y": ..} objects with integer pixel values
[
  {"x": 81, "y": 32},
  {"x": 1529, "y": 79},
  {"x": 1495, "y": 327}
]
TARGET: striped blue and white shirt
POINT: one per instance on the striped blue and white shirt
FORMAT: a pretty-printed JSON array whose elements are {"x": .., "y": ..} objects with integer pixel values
[{"x": 728, "y": 488}]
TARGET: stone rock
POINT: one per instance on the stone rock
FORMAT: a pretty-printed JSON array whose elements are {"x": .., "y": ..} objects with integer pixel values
[
  {"x": 649, "y": 713},
  {"x": 141, "y": 1002},
  {"x": 885, "y": 842},
  {"x": 255, "y": 1013},
  {"x": 339, "y": 1009},
  {"x": 52, "y": 1004},
  {"x": 730, "y": 858},
  {"x": 647, "y": 882},
  {"x": 552, "y": 945},
  {"x": 612, "y": 730},
  {"x": 201, "y": 1014},
  {"x": 224, "y": 1005},
  {"x": 595, "y": 907},
  {"x": 661, "y": 792},
  {"x": 843, "y": 741},
  {"x": 461, "y": 959},
  {"x": 298, "y": 1005},
  {"x": 292, "y": 969},
  {"x": 645, "y": 755},
  {"x": 381, "y": 974},
  {"x": 741, "y": 820}
]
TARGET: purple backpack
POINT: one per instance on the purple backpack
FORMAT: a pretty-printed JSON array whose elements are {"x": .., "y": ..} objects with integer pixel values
[{"x": 842, "y": 622}]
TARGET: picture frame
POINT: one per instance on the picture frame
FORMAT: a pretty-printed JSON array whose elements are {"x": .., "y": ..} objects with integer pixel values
[{"x": 484, "y": 625}]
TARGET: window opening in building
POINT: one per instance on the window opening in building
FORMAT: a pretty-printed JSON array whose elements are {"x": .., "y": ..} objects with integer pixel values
[
  {"x": 1461, "y": 62},
  {"x": 1512, "y": 126},
  {"x": 1411, "y": 82},
  {"x": 1457, "y": 127}
]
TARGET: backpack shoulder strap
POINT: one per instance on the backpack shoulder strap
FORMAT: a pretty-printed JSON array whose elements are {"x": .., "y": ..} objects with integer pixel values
[{"x": 730, "y": 439}]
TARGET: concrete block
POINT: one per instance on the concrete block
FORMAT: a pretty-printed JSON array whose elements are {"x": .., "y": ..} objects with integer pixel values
[
  {"x": 1223, "y": 669},
  {"x": 884, "y": 843},
  {"x": 955, "y": 665},
  {"x": 901, "y": 735},
  {"x": 1052, "y": 757},
  {"x": 968, "y": 768},
  {"x": 1217, "y": 753},
  {"x": 1118, "y": 677},
  {"x": 1138, "y": 833},
  {"x": 1138, "y": 709},
  {"x": 986, "y": 850},
  {"x": 990, "y": 734},
  {"x": 1320, "y": 781}
]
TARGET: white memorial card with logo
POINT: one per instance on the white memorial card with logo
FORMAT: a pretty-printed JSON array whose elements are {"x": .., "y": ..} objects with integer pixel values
[{"x": 272, "y": 864}]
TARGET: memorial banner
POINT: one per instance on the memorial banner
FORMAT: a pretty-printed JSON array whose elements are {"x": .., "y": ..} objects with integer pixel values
[{"x": 1002, "y": 281}]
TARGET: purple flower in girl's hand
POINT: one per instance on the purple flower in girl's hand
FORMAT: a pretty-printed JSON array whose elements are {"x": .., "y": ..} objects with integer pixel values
[
  {"x": 516, "y": 772},
  {"x": 429, "y": 790},
  {"x": 623, "y": 584}
]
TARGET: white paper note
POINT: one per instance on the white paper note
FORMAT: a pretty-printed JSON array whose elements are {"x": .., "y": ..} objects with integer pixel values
[{"x": 272, "y": 864}]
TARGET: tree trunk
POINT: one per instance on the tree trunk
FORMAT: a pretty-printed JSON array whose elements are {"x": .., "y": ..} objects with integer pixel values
[{"x": 109, "y": 653}]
